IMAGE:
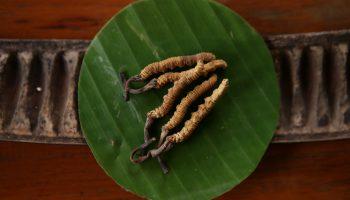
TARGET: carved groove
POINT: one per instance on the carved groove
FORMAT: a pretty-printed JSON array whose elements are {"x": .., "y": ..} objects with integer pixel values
[
  {"x": 9, "y": 88},
  {"x": 44, "y": 124},
  {"x": 314, "y": 81},
  {"x": 68, "y": 124},
  {"x": 38, "y": 84},
  {"x": 19, "y": 122},
  {"x": 297, "y": 106}
]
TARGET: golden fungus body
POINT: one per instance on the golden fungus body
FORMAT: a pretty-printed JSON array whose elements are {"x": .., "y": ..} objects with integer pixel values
[
  {"x": 181, "y": 109},
  {"x": 205, "y": 65}
]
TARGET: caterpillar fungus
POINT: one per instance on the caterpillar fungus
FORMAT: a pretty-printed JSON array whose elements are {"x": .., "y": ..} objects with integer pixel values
[
  {"x": 180, "y": 112},
  {"x": 198, "y": 116},
  {"x": 181, "y": 109},
  {"x": 164, "y": 66},
  {"x": 169, "y": 99},
  {"x": 206, "y": 64},
  {"x": 166, "y": 78},
  {"x": 190, "y": 125},
  {"x": 181, "y": 80}
]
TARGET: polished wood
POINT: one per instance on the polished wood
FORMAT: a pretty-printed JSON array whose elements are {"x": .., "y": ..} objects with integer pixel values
[
  {"x": 82, "y": 19},
  {"x": 319, "y": 170}
]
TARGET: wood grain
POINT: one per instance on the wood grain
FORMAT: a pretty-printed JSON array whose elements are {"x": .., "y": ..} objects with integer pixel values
[
  {"x": 65, "y": 19},
  {"x": 288, "y": 171}
]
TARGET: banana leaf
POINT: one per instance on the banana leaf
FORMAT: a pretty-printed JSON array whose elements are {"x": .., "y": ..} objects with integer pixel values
[{"x": 230, "y": 141}]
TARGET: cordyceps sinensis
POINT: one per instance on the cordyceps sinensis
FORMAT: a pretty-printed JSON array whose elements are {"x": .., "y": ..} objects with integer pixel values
[
  {"x": 185, "y": 103},
  {"x": 201, "y": 70},
  {"x": 164, "y": 66},
  {"x": 169, "y": 77},
  {"x": 184, "y": 80},
  {"x": 190, "y": 125}
]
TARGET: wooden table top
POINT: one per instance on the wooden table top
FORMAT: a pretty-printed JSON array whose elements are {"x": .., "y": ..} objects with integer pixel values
[{"x": 319, "y": 170}]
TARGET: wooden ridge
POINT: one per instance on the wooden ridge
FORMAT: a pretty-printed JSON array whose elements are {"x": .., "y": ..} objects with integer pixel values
[{"x": 38, "y": 84}]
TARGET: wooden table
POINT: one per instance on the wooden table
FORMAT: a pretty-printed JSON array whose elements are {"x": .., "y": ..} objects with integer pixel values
[{"x": 319, "y": 170}]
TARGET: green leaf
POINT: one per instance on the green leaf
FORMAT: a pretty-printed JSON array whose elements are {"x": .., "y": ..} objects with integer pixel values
[{"x": 229, "y": 143}]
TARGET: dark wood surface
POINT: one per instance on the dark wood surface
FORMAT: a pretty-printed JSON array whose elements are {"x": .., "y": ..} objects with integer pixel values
[
  {"x": 69, "y": 19},
  {"x": 319, "y": 170}
]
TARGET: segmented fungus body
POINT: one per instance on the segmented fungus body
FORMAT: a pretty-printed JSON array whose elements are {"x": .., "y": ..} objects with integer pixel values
[
  {"x": 193, "y": 122},
  {"x": 181, "y": 108},
  {"x": 198, "y": 116},
  {"x": 171, "y": 77},
  {"x": 166, "y": 65},
  {"x": 205, "y": 65},
  {"x": 159, "y": 82},
  {"x": 173, "y": 62},
  {"x": 179, "y": 85},
  {"x": 174, "y": 76},
  {"x": 192, "y": 75},
  {"x": 190, "y": 125}
]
